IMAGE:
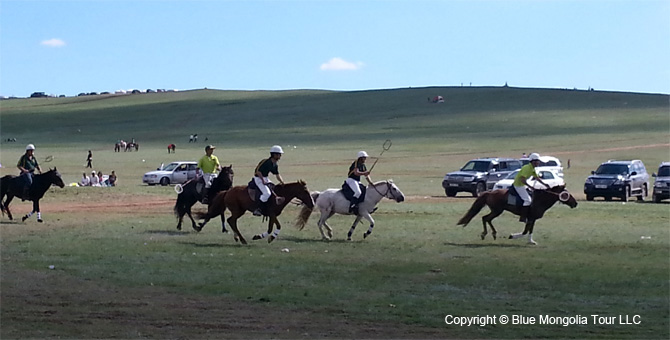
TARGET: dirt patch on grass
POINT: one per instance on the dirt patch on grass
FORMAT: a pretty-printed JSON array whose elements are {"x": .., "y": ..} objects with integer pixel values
[{"x": 52, "y": 304}]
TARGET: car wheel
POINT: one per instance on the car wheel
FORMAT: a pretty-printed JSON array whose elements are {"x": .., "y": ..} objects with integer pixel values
[
  {"x": 479, "y": 189},
  {"x": 608, "y": 198},
  {"x": 589, "y": 197},
  {"x": 165, "y": 181},
  {"x": 657, "y": 199},
  {"x": 450, "y": 192},
  {"x": 626, "y": 194},
  {"x": 643, "y": 194}
]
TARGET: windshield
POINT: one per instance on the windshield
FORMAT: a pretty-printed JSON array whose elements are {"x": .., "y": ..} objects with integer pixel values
[
  {"x": 612, "y": 169},
  {"x": 664, "y": 171},
  {"x": 170, "y": 167},
  {"x": 480, "y": 166}
]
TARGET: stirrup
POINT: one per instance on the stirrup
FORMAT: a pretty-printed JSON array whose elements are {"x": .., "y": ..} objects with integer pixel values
[{"x": 258, "y": 212}]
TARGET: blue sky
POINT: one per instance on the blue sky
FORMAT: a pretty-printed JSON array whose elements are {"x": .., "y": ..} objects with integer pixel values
[{"x": 68, "y": 47}]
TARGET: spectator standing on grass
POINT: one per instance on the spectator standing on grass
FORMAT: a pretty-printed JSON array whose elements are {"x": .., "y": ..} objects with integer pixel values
[{"x": 89, "y": 159}]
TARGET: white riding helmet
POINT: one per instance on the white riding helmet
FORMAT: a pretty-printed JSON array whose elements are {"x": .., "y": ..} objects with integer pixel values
[
  {"x": 534, "y": 157},
  {"x": 362, "y": 154},
  {"x": 30, "y": 147},
  {"x": 276, "y": 149}
]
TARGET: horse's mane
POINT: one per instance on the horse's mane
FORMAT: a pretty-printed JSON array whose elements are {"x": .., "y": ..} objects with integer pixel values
[{"x": 382, "y": 182}]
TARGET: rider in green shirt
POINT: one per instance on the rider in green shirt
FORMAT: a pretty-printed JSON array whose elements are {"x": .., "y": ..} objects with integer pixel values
[
  {"x": 27, "y": 165},
  {"x": 520, "y": 183}
]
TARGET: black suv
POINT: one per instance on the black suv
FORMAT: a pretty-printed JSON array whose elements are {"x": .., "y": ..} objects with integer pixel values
[
  {"x": 662, "y": 183},
  {"x": 622, "y": 179},
  {"x": 479, "y": 175}
]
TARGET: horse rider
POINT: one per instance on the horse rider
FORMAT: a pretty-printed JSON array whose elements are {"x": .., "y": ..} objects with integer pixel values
[
  {"x": 263, "y": 170},
  {"x": 356, "y": 170},
  {"x": 27, "y": 165},
  {"x": 207, "y": 167},
  {"x": 520, "y": 183}
]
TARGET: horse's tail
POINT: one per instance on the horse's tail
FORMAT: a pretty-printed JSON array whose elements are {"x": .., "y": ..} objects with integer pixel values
[
  {"x": 305, "y": 212},
  {"x": 476, "y": 207}
]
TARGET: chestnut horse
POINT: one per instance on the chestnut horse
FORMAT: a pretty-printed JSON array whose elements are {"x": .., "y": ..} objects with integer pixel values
[
  {"x": 238, "y": 201},
  {"x": 497, "y": 201}
]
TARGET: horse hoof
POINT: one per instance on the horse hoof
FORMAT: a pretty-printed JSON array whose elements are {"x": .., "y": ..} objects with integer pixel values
[
  {"x": 271, "y": 238},
  {"x": 366, "y": 235},
  {"x": 24, "y": 218},
  {"x": 511, "y": 237},
  {"x": 224, "y": 230},
  {"x": 494, "y": 236},
  {"x": 483, "y": 236},
  {"x": 40, "y": 220},
  {"x": 179, "y": 227},
  {"x": 532, "y": 243},
  {"x": 348, "y": 238},
  {"x": 256, "y": 237}
]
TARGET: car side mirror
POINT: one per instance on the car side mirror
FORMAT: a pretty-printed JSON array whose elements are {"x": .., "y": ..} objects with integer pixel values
[
  {"x": 653, "y": 174},
  {"x": 158, "y": 168},
  {"x": 593, "y": 172},
  {"x": 633, "y": 173}
]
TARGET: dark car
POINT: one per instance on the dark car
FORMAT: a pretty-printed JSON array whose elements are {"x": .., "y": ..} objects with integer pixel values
[
  {"x": 662, "y": 183},
  {"x": 622, "y": 179},
  {"x": 478, "y": 175}
]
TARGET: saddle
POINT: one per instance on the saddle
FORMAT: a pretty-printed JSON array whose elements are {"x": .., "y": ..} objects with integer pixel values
[
  {"x": 255, "y": 194},
  {"x": 349, "y": 194},
  {"x": 513, "y": 197}
]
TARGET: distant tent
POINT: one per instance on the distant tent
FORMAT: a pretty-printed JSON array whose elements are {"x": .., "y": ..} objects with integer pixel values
[{"x": 438, "y": 99}]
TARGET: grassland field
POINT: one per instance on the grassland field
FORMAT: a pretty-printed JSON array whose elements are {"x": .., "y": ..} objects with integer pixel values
[{"x": 119, "y": 260}]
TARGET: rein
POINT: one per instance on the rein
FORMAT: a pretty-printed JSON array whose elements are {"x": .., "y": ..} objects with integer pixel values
[
  {"x": 563, "y": 196},
  {"x": 388, "y": 189}
]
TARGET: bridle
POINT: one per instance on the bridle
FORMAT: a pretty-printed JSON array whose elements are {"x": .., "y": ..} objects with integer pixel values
[
  {"x": 563, "y": 196},
  {"x": 388, "y": 190}
]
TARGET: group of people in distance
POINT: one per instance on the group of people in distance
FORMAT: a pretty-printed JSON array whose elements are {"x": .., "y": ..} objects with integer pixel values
[{"x": 98, "y": 180}]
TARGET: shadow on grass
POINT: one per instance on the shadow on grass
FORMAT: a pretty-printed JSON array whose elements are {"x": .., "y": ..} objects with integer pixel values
[
  {"x": 313, "y": 240},
  {"x": 485, "y": 245},
  {"x": 170, "y": 232},
  {"x": 12, "y": 222}
]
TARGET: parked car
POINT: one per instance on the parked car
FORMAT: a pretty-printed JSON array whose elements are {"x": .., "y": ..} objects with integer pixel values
[
  {"x": 547, "y": 163},
  {"x": 173, "y": 173},
  {"x": 662, "y": 183},
  {"x": 622, "y": 179},
  {"x": 549, "y": 176},
  {"x": 478, "y": 175}
]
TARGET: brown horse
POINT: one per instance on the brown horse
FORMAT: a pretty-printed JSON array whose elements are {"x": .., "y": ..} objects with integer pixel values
[
  {"x": 238, "y": 201},
  {"x": 497, "y": 201}
]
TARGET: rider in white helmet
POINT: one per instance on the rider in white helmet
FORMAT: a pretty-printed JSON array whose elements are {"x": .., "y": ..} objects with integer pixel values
[
  {"x": 356, "y": 170},
  {"x": 520, "y": 183},
  {"x": 263, "y": 170},
  {"x": 27, "y": 165}
]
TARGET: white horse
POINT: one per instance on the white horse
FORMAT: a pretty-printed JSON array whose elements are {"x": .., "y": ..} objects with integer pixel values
[{"x": 332, "y": 201}]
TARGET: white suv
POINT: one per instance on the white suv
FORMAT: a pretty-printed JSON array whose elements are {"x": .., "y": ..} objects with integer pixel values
[{"x": 550, "y": 163}]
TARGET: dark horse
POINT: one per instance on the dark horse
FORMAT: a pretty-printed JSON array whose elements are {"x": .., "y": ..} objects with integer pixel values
[
  {"x": 189, "y": 195},
  {"x": 11, "y": 186},
  {"x": 497, "y": 202},
  {"x": 238, "y": 201}
]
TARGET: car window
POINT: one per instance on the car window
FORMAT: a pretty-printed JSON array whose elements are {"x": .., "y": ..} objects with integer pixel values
[
  {"x": 612, "y": 169},
  {"x": 512, "y": 174},
  {"x": 514, "y": 165},
  {"x": 192, "y": 167},
  {"x": 170, "y": 167},
  {"x": 664, "y": 171},
  {"x": 481, "y": 166},
  {"x": 546, "y": 175},
  {"x": 549, "y": 163}
]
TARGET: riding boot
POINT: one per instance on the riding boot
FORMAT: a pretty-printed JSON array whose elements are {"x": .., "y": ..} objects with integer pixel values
[
  {"x": 523, "y": 216},
  {"x": 205, "y": 195},
  {"x": 26, "y": 194},
  {"x": 260, "y": 208}
]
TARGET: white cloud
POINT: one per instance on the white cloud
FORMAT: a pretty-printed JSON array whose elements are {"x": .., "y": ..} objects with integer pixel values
[
  {"x": 339, "y": 64},
  {"x": 53, "y": 43}
]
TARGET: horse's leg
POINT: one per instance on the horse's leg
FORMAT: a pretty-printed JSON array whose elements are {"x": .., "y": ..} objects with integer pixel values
[
  {"x": 232, "y": 221},
  {"x": 529, "y": 227},
  {"x": 330, "y": 230},
  {"x": 275, "y": 234},
  {"x": 368, "y": 217},
  {"x": 26, "y": 216},
  {"x": 6, "y": 205},
  {"x": 36, "y": 207},
  {"x": 322, "y": 222},
  {"x": 194, "y": 225},
  {"x": 487, "y": 219},
  {"x": 353, "y": 226},
  {"x": 223, "y": 223}
]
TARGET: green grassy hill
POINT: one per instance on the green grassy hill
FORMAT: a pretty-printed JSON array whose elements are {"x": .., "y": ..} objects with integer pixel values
[{"x": 328, "y": 126}]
